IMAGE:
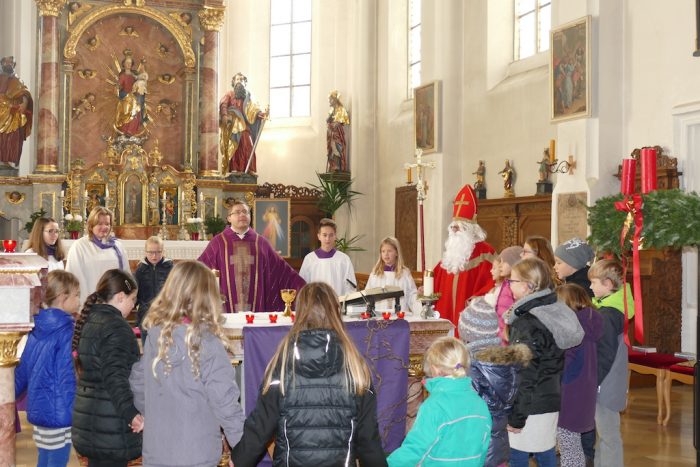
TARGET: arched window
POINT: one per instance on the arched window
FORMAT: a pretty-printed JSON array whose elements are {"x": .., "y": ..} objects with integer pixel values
[
  {"x": 414, "y": 45},
  {"x": 290, "y": 58},
  {"x": 533, "y": 20}
]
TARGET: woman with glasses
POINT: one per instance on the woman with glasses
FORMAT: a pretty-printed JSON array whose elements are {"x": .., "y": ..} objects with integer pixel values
[
  {"x": 536, "y": 246},
  {"x": 46, "y": 242}
]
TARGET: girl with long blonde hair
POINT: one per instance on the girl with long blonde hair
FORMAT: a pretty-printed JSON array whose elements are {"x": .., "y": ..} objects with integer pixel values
[
  {"x": 185, "y": 382},
  {"x": 316, "y": 395},
  {"x": 390, "y": 270}
]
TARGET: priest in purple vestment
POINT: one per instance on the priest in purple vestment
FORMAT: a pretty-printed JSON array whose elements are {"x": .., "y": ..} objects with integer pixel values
[{"x": 251, "y": 273}]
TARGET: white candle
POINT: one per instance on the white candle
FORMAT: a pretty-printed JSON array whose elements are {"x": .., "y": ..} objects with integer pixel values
[
  {"x": 63, "y": 194},
  {"x": 86, "y": 195},
  {"x": 106, "y": 192},
  {"x": 182, "y": 196},
  {"x": 428, "y": 285},
  {"x": 201, "y": 196},
  {"x": 164, "y": 195}
]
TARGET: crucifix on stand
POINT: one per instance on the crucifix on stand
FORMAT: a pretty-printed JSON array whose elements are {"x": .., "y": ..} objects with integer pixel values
[{"x": 422, "y": 191}]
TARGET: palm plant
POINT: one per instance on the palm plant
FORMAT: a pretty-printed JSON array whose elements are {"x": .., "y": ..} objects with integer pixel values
[{"x": 335, "y": 193}]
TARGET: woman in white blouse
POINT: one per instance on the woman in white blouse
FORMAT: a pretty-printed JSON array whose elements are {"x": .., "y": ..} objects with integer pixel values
[
  {"x": 390, "y": 270},
  {"x": 45, "y": 242},
  {"x": 96, "y": 253}
]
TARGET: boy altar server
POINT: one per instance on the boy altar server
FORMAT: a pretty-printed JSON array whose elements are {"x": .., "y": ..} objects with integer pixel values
[{"x": 326, "y": 264}]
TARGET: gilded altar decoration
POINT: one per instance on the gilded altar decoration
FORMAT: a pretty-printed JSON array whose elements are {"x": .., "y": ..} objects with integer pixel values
[
  {"x": 50, "y": 7},
  {"x": 211, "y": 18},
  {"x": 129, "y": 31},
  {"x": 166, "y": 78},
  {"x": 162, "y": 50},
  {"x": 9, "y": 341},
  {"x": 167, "y": 109},
  {"x": 130, "y": 83},
  {"x": 16, "y": 111},
  {"x": 184, "y": 19},
  {"x": 14, "y": 197},
  {"x": 93, "y": 42},
  {"x": 87, "y": 73},
  {"x": 76, "y": 10},
  {"x": 84, "y": 105}
]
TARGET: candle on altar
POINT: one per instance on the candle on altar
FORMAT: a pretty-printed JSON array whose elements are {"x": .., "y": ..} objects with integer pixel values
[
  {"x": 552, "y": 151},
  {"x": 106, "y": 192},
  {"x": 63, "y": 194},
  {"x": 182, "y": 196},
  {"x": 201, "y": 196},
  {"x": 428, "y": 284},
  {"x": 648, "y": 170},
  {"x": 629, "y": 173},
  {"x": 86, "y": 194},
  {"x": 164, "y": 195},
  {"x": 409, "y": 175}
]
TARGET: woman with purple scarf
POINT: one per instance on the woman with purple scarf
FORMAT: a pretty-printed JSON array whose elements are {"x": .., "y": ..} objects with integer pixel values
[{"x": 96, "y": 253}]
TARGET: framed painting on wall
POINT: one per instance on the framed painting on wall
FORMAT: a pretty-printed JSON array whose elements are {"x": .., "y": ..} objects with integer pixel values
[
  {"x": 426, "y": 113},
  {"x": 570, "y": 70},
  {"x": 133, "y": 211},
  {"x": 271, "y": 220},
  {"x": 95, "y": 196}
]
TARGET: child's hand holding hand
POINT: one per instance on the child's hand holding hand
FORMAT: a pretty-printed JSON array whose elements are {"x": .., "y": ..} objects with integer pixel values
[
  {"x": 137, "y": 424},
  {"x": 513, "y": 430}
]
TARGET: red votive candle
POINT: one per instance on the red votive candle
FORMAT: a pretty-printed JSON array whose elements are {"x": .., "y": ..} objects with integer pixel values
[
  {"x": 629, "y": 173},
  {"x": 648, "y": 170}
]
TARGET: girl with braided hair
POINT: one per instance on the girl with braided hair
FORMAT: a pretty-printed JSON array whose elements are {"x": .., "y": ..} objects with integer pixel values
[
  {"x": 106, "y": 424},
  {"x": 185, "y": 384}
]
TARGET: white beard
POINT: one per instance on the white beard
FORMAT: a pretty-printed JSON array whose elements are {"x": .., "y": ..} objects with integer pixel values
[{"x": 459, "y": 246}]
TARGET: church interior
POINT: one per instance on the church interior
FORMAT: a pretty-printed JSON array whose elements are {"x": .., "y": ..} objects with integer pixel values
[{"x": 400, "y": 103}]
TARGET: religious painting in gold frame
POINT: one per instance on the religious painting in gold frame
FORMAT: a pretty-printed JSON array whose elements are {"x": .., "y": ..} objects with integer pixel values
[
  {"x": 95, "y": 196},
  {"x": 133, "y": 203},
  {"x": 169, "y": 205},
  {"x": 271, "y": 220},
  {"x": 570, "y": 70},
  {"x": 426, "y": 114}
]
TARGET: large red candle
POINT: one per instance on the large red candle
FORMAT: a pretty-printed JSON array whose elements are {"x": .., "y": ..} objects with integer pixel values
[
  {"x": 629, "y": 173},
  {"x": 648, "y": 170}
]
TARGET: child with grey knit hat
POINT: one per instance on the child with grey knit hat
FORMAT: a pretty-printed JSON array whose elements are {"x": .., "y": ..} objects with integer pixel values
[{"x": 571, "y": 263}]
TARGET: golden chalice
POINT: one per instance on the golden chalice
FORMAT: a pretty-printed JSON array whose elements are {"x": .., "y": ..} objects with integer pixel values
[{"x": 288, "y": 296}]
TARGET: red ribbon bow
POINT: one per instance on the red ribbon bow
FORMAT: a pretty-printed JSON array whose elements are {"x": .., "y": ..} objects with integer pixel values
[{"x": 633, "y": 207}]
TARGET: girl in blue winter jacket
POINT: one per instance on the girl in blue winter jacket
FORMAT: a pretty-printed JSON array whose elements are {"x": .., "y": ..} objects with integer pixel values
[{"x": 46, "y": 370}]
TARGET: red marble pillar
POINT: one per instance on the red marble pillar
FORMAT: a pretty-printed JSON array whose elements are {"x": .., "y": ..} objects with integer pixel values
[
  {"x": 211, "y": 20},
  {"x": 47, "y": 124}
]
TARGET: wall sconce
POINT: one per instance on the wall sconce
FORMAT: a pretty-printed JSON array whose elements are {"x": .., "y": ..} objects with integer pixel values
[{"x": 563, "y": 167}]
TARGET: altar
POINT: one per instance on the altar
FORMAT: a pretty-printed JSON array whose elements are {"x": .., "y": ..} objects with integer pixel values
[{"x": 421, "y": 333}]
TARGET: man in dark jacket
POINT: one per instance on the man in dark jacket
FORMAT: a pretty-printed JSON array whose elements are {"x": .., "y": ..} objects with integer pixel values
[{"x": 150, "y": 275}]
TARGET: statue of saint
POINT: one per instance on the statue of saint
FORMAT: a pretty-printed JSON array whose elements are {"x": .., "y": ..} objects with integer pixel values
[
  {"x": 480, "y": 172},
  {"x": 131, "y": 114},
  {"x": 16, "y": 110},
  {"x": 241, "y": 121},
  {"x": 508, "y": 175},
  {"x": 336, "y": 142},
  {"x": 544, "y": 166}
]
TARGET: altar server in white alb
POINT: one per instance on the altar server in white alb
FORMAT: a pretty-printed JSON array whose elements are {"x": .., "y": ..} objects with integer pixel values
[
  {"x": 326, "y": 264},
  {"x": 390, "y": 270},
  {"x": 96, "y": 253}
]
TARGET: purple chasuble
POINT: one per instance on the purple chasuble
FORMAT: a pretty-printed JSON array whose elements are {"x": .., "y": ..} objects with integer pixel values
[
  {"x": 251, "y": 273},
  {"x": 324, "y": 254}
]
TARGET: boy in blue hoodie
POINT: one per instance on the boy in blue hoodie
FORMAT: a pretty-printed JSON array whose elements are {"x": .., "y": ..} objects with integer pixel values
[{"x": 607, "y": 286}]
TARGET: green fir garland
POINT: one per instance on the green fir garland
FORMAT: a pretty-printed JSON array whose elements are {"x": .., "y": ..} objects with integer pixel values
[{"x": 671, "y": 220}]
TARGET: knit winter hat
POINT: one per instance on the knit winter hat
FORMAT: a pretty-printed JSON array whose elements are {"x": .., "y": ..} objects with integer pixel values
[
  {"x": 575, "y": 252},
  {"x": 511, "y": 255}
]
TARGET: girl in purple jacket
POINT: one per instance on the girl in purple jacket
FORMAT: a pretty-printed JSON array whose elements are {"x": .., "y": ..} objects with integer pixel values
[
  {"x": 579, "y": 382},
  {"x": 46, "y": 370}
]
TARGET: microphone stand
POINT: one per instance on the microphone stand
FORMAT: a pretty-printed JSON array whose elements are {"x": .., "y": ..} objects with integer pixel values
[{"x": 368, "y": 303}]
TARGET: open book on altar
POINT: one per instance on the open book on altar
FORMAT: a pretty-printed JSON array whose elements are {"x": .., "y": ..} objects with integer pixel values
[{"x": 365, "y": 299}]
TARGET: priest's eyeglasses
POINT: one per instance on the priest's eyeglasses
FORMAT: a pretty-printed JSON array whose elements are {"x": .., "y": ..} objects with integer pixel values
[{"x": 239, "y": 212}]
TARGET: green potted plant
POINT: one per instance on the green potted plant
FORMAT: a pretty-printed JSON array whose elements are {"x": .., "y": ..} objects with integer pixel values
[
  {"x": 335, "y": 193},
  {"x": 32, "y": 219},
  {"x": 74, "y": 225},
  {"x": 214, "y": 225},
  {"x": 193, "y": 227}
]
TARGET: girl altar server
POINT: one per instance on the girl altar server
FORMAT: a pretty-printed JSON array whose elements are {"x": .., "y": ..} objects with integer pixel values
[{"x": 390, "y": 270}]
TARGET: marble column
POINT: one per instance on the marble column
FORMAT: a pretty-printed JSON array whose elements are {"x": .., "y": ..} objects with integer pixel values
[
  {"x": 49, "y": 93},
  {"x": 211, "y": 19},
  {"x": 9, "y": 339}
]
